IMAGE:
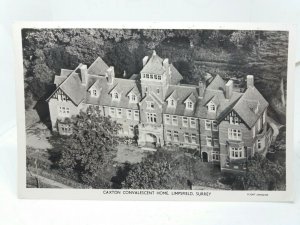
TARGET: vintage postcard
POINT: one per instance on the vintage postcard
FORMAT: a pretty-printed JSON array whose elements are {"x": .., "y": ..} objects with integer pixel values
[{"x": 155, "y": 111}]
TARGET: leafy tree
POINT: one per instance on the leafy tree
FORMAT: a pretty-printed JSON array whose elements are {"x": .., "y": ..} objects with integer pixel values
[
  {"x": 261, "y": 174},
  {"x": 90, "y": 148}
]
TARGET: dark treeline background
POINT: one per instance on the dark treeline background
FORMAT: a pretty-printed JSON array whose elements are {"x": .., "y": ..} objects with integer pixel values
[{"x": 193, "y": 52}]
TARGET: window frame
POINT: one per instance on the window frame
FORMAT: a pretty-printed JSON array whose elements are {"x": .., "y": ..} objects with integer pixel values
[
  {"x": 193, "y": 122},
  {"x": 174, "y": 120}
]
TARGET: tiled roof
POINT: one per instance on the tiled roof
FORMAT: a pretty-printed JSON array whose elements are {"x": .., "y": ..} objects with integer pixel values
[
  {"x": 65, "y": 72},
  {"x": 58, "y": 80},
  {"x": 182, "y": 93},
  {"x": 222, "y": 104},
  {"x": 250, "y": 100},
  {"x": 123, "y": 86},
  {"x": 73, "y": 87},
  {"x": 98, "y": 67},
  {"x": 154, "y": 65},
  {"x": 175, "y": 75},
  {"x": 217, "y": 83}
]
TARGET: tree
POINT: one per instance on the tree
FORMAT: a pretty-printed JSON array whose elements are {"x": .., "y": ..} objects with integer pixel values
[
  {"x": 90, "y": 147},
  {"x": 261, "y": 174},
  {"x": 163, "y": 169}
]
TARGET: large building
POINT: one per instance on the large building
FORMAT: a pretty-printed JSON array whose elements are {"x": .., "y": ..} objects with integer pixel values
[{"x": 227, "y": 125}]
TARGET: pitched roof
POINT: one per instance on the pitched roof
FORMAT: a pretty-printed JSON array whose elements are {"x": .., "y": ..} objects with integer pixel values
[
  {"x": 154, "y": 65},
  {"x": 59, "y": 79},
  {"x": 73, "y": 87},
  {"x": 218, "y": 97},
  {"x": 244, "y": 107},
  {"x": 122, "y": 86},
  {"x": 182, "y": 93},
  {"x": 217, "y": 83},
  {"x": 98, "y": 67},
  {"x": 175, "y": 76}
]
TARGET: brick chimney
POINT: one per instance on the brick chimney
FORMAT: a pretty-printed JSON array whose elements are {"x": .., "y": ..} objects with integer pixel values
[
  {"x": 250, "y": 81},
  {"x": 84, "y": 74},
  {"x": 202, "y": 87},
  {"x": 145, "y": 59},
  {"x": 228, "y": 89},
  {"x": 166, "y": 63},
  {"x": 110, "y": 74}
]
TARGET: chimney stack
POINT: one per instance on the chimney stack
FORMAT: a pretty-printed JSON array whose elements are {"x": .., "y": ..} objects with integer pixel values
[
  {"x": 166, "y": 62},
  {"x": 110, "y": 74},
  {"x": 202, "y": 87},
  {"x": 145, "y": 59},
  {"x": 228, "y": 89},
  {"x": 250, "y": 81},
  {"x": 84, "y": 74}
]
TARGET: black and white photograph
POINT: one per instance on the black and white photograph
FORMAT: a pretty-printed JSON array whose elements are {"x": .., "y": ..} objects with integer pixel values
[{"x": 155, "y": 111}]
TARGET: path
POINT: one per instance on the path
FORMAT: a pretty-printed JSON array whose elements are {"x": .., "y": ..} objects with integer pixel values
[{"x": 50, "y": 182}]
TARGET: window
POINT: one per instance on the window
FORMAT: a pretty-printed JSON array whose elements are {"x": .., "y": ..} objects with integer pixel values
[
  {"x": 176, "y": 136},
  {"x": 119, "y": 113},
  {"x": 167, "y": 119},
  {"x": 194, "y": 139},
  {"x": 150, "y": 105},
  {"x": 65, "y": 129},
  {"x": 189, "y": 105},
  {"x": 215, "y": 156},
  {"x": 112, "y": 112},
  {"x": 211, "y": 107},
  {"x": 259, "y": 144},
  {"x": 151, "y": 76},
  {"x": 174, "y": 120},
  {"x": 157, "y": 90},
  {"x": 133, "y": 98},
  {"x": 186, "y": 138},
  {"x": 171, "y": 102},
  {"x": 234, "y": 120},
  {"x": 115, "y": 96},
  {"x": 129, "y": 114},
  {"x": 207, "y": 125},
  {"x": 155, "y": 77},
  {"x": 234, "y": 134},
  {"x": 151, "y": 117},
  {"x": 169, "y": 135},
  {"x": 193, "y": 122},
  {"x": 264, "y": 117},
  {"x": 147, "y": 76},
  {"x": 236, "y": 152},
  {"x": 185, "y": 121},
  {"x": 136, "y": 115},
  {"x": 214, "y": 125},
  {"x": 209, "y": 141},
  {"x": 64, "y": 111},
  {"x": 94, "y": 92},
  {"x": 159, "y": 77}
]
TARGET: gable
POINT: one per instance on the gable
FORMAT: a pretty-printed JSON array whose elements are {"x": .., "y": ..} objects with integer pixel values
[{"x": 234, "y": 114}]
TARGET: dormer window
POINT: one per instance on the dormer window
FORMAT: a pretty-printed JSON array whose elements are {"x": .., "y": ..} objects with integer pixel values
[
  {"x": 189, "y": 105},
  {"x": 211, "y": 107},
  {"x": 171, "y": 102},
  {"x": 132, "y": 98},
  {"x": 115, "y": 96}
]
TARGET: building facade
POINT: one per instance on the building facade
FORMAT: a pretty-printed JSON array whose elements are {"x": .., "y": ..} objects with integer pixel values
[{"x": 227, "y": 125}]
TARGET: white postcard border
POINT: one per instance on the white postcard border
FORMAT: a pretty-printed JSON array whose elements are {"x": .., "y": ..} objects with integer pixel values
[{"x": 186, "y": 195}]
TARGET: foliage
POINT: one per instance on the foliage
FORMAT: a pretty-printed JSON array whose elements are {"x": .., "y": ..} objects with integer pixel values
[
  {"x": 90, "y": 148},
  {"x": 261, "y": 174},
  {"x": 169, "y": 170}
]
